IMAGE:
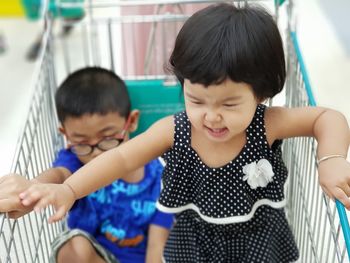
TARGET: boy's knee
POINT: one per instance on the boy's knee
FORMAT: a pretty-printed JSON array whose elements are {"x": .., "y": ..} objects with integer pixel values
[{"x": 78, "y": 249}]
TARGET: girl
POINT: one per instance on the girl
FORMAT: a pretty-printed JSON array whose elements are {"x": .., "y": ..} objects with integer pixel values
[{"x": 224, "y": 173}]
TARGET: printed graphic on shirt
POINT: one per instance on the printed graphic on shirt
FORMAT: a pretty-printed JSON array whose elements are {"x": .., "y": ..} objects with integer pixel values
[{"x": 125, "y": 210}]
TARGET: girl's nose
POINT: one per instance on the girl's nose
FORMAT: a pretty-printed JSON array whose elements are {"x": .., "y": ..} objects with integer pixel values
[{"x": 212, "y": 116}]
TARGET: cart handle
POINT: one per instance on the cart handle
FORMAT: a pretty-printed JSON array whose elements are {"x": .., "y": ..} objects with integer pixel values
[{"x": 345, "y": 224}]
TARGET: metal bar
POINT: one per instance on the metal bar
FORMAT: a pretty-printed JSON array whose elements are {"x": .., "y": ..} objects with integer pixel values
[
  {"x": 345, "y": 224},
  {"x": 116, "y": 3},
  {"x": 110, "y": 42}
]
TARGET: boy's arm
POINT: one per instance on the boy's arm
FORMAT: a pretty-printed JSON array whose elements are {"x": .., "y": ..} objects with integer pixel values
[
  {"x": 158, "y": 233},
  {"x": 157, "y": 237},
  {"x": 331, "y": 131},
  {"x": 12, "y": 185}
]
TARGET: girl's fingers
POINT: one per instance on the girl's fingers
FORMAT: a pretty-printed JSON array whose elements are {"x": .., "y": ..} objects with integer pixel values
[
  {"x": 34, "y": 194},
  {"x": 342, "y": 197},
  {"x": 346, "y": 189},
  {"x": 58, "y": 215},
  {"x": 44, "y": 195},
  {"x": 29, "y": 197},
  {"x": 42, "y": 203}
]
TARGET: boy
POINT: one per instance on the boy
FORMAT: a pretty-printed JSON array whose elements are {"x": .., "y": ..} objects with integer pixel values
[{"x": 112, "y": 224}]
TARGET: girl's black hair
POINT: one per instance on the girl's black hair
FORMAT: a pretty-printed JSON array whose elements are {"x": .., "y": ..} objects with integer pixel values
[
  {"x": 223, "y": 41},
  {"x": 92, "y": 90}
]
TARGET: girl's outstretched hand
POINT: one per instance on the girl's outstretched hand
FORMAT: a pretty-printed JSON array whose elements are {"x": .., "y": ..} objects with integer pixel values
[
  {"x": 61, "y": 196},
  {"x": 334, "y": 177}
]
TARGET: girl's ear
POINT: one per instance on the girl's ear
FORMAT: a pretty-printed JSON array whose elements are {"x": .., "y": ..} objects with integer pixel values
[
  {"x": 134, "y": 120},
  {"x": 262, "y": 100}
]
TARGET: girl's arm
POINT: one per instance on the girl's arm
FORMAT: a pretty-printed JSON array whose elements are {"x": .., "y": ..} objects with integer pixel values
[
  {"x": 103, "y": 170},
  {"x": 118, "y": 162},
  {"x": 331, "y": 131}
]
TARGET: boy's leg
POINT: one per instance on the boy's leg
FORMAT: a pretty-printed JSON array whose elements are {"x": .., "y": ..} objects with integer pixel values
[
  {"x": 78, "y": 249},
  {"x": 79, "y": 246}
]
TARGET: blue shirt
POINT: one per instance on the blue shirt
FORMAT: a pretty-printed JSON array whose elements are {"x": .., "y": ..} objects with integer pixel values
[{"x": 119, "y": 215}]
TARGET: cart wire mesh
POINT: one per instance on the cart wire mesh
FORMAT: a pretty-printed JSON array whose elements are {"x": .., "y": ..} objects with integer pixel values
[
  {"x": 313, "y": 217},
  {"x": 28, "y": 239}
]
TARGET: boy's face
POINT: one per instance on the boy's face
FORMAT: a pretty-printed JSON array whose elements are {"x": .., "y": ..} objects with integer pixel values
[{"x": 92, "y": 129}]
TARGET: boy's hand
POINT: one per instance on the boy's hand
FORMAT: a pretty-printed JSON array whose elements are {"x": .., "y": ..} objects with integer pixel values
[
  {"x": 61, "y": 196},
  {"x": 11, "y": 186},
  {"x": 334, "y": 177}
]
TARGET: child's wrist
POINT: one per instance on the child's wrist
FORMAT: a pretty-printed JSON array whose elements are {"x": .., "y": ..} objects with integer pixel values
[
  {"x": 328, "y": 157},
  {"x": 71, "y": 189}
]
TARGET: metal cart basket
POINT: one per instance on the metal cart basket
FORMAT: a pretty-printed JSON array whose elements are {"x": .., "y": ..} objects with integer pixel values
[{"x": 135, "y": 38}]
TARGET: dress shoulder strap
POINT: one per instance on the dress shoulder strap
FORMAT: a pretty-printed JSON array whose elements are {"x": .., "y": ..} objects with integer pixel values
[
  {"x": 182, "y": 134},
  {"x": 256, "y": 130}
]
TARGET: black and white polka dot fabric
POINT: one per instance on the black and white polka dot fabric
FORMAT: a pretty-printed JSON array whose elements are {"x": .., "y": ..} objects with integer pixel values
[{"x": 220, "y": 217}]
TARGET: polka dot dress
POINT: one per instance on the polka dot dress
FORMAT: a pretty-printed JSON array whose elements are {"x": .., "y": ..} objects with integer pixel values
[{"x": 220, "y": 218}]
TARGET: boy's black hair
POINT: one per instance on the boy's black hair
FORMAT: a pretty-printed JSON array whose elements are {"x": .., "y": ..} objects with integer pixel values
[
  {"x": 223, "y": 41},
  {"x": 92, "y": 90}
]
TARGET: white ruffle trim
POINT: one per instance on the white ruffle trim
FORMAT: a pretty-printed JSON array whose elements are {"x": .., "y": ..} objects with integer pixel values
[{"x": 224, "y": 220}]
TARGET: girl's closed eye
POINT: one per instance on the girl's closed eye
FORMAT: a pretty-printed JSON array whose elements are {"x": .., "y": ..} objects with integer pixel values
[
  {"x": 230, "y": 105},
  {"x": 197, "y": 102}
]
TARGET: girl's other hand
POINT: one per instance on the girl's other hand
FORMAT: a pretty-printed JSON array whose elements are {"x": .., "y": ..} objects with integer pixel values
[
  {"x": 334, "y": 177},
  {"x": 61, "y": 196}
]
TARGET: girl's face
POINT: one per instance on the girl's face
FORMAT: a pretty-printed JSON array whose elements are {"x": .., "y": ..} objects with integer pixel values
[{"x": 220, "y": 112}]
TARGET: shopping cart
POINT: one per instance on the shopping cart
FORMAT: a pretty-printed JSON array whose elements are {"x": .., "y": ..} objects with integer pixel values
[
  {"x": 313, "y": 217},
  {"x": 135, "y": 38}
]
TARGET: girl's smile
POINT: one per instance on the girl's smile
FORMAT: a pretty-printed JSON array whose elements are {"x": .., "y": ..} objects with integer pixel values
[{"x": 217, "y": 132}]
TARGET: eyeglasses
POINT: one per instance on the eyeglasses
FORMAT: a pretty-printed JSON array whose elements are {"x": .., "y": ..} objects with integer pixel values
[{"x": 104, "y": 145}]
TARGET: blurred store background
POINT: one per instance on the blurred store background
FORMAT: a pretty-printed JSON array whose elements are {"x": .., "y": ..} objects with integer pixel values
[{"x": 321, "y": 26}]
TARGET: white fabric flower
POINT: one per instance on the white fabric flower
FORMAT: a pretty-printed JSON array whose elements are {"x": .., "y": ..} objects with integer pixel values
[{"x": 258, "y": 174}]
